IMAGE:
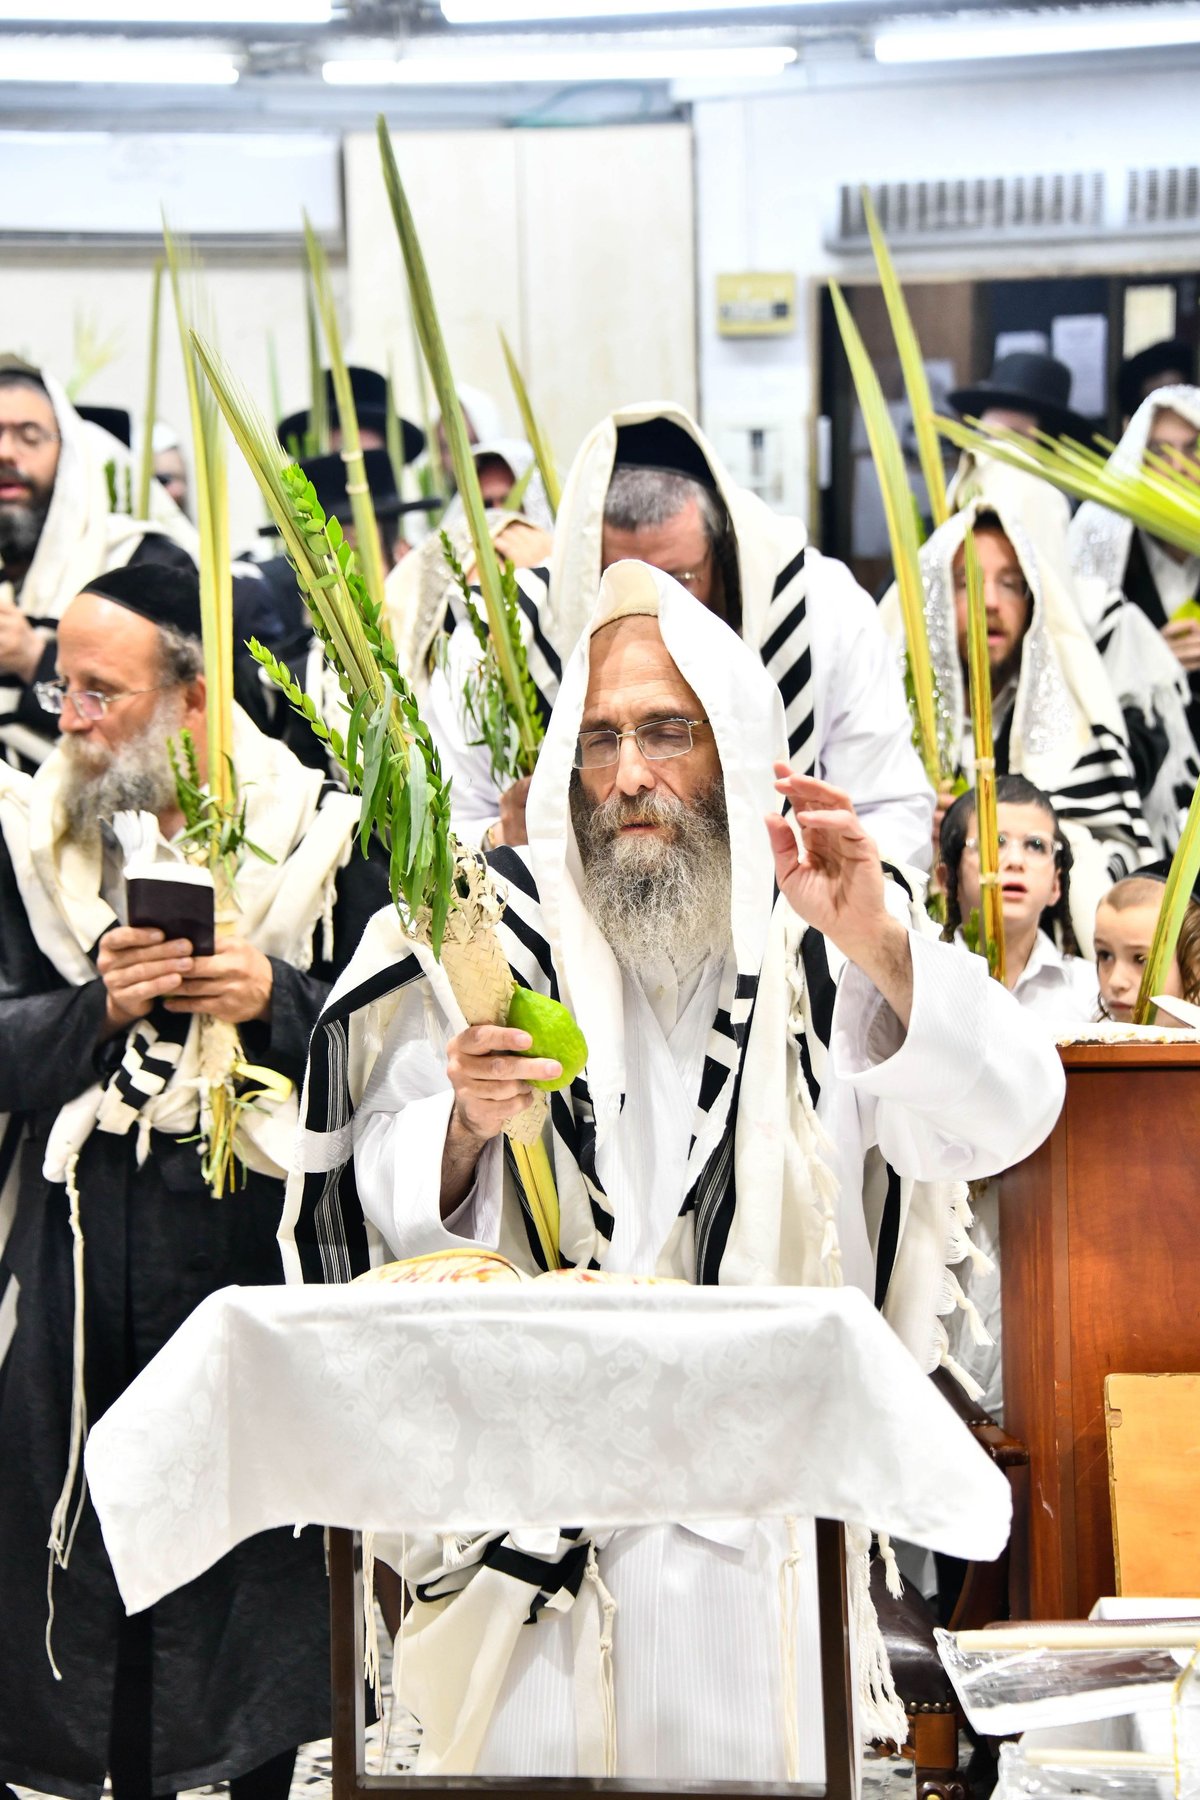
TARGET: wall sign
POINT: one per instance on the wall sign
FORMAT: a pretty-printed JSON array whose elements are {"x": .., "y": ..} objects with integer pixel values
[{"x": 755, "y": 304}]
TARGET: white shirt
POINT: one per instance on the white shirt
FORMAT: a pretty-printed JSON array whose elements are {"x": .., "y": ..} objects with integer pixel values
[
  {"x": 1063, "y": 990},
  {"x": 1175, "y": 581}
]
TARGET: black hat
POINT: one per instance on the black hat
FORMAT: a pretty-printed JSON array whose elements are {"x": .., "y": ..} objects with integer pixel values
[
  {"x": 113, "y": 419},
  {"x": 1171, "y": 357},
  {"x": 328, "y": 476},
  {"x": 370, "y": 393},
  {"x": 1027, "y": 382},
  {"x": 161, "y": 593},
  {"x": 661, "y": 444}
]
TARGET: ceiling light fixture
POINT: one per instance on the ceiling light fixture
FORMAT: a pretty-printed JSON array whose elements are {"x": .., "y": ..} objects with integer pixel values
[
  {"x": 505, "y": 67},
  {"x": 124, "y": 65},
  {"x": 520, "y": 12},
  {"x": 1061, "y": 37},
  {"x": 162, "y": 12}
]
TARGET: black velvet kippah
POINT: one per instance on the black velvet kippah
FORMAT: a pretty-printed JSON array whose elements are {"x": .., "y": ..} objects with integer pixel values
[
  {"x": 163, "y": 595},
  {"x": 661, "y": 444}
]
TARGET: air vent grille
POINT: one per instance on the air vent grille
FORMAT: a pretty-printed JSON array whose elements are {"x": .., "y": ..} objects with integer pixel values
[
  {"x": 985, "y": 206},
  {"x": 1162, "y": 197}
]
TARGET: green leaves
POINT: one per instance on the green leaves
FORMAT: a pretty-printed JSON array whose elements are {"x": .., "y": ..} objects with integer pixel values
[
  {"x": 146, "y": 463},
  {"x": 539, "y": 442},
  {"x": 527, "y": 723},
  {"x": 902, "y": 534},
  {"x": 912, "y": 366},
  {"x": 1158, "y": 498},
  {"x": 1181, "y": 879},
  {"x": 218, "y": 828}
]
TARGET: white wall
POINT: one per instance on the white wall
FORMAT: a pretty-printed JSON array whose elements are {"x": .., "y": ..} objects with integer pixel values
[
  {"x": 45, "y": 294},
  {"x": 768, "y": 169},
  {"x": 578, "y": 243}
]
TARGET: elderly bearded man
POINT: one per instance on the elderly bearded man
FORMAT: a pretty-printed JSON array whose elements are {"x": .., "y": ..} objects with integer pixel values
[
  {"x": 745, "y": 1056},
  {"x": 646, "y": 484},
  {"x": 101, "y": 1075}
]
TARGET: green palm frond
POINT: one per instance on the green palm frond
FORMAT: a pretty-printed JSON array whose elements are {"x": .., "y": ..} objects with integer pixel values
[
  {"x": 987, "y": 834},
  {"x": 526, "y": 721},
  {"x": 900, "y": 512},
  {"x": 93, "y": 353},
  {"x": 538, "y": 441},
  {"x": 366, "y": 528},
  {"x": 1157, "y": 497},
  {"x": 912, "y": 366},
  {"x": 212, "y": 521},
  {"x": 1181, "y": 879},
  {"x": 146, "y": 463},
  {"x": 386, "y": 751},
  {"x": 316, "y": 438}
]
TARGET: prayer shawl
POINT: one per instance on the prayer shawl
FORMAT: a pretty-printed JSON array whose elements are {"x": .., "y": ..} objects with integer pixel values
[
  {"x": 83, "y": 535},
  {"x": 1065, "y": 732},
  {"x": 760, "y": 1202},
  {"x": 1144, "y": 671},
  {"x": 291, "y": 814},
  {"x": 423, "y": 600}
]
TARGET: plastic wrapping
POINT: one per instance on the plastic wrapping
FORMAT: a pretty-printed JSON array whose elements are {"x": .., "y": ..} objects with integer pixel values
[
  {"x": 1055, "y": 1774},
  {"x": 1008, "y": 1690}
]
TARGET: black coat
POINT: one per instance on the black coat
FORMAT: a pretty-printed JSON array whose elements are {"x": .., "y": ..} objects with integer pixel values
[{"x": 239, "y": 1658}]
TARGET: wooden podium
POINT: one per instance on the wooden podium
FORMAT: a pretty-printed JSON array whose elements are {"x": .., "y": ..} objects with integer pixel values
[{"x": 1100, "y": 1236}]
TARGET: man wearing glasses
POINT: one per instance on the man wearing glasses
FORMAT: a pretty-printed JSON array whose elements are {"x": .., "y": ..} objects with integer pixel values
[
  {"x": 760, "y": 1014},
  {"x": 646, "y": 484},
  {"x": 59, "y": 526}
]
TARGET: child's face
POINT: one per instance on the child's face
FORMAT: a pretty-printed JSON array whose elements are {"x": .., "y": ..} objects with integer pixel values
[
  {"x": 1122, "y": 943},
  {"x": 1029, "y": 880}
]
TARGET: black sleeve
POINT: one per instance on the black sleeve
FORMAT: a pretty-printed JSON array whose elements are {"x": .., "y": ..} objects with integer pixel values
[
  {"x": 29, "y": 711},
  {"x": 50, "y": 1030},
  {"x": 1147, "y": 747},
  {"x": 298, "y": 995}
]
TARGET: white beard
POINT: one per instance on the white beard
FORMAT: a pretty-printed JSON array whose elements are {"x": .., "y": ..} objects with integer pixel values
[
  {"x": 653, "y": 896},
  {"x": 136, "y": 777}
]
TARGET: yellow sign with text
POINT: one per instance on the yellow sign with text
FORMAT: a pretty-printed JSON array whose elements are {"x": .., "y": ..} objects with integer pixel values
[{"x": 756, "y": 304}]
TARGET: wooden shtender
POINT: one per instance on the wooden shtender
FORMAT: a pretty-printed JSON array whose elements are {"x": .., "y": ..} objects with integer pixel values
[
  {"x": 1154, "y": 1482},
  {"x": 1100, "y": 1276},
  {"x": 351, "y": 1782}
]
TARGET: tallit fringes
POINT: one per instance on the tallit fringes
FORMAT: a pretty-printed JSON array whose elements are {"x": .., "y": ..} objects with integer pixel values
[
  {"x": 608, "y": 1692},
  {"x": 63, "y": 1522},
  {"x": 944, "y": 1360},
  {"x": 881, "y": 1710},
  {"x": 371, "y": 1673},
  {"x": 789, "y": 1628},
  {"x": 893, "y": 1580},
  {"x": 953, "y": 1299}
]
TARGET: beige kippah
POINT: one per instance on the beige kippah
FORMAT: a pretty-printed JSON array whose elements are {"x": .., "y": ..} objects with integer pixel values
[{"x": 628, "y": 590}]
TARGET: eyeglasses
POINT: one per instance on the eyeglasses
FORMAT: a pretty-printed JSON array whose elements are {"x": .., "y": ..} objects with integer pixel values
[
  {"x": 691, "y": 579},
  {"x": 1037, "y": 849},
  {"x": 27, "y": 434},
  {"x": 1012, "y": 584},
  {"x": 658, "y": 740},
  {"x": 53, "y": 697}
]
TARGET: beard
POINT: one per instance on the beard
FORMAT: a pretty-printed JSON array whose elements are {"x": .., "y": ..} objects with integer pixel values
[
  {"x": 663, "y": 896},
  {"x": 21, "y": 521},
  {"x": 135, "y": 777}
]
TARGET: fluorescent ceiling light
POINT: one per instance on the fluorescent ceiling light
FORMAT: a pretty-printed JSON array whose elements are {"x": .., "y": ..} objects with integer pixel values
[
  {"x": 739, "y": 61},
  {"x": 1061, "y": 37},
  {"x": 512, "y": 12},
  {"x": 135, "y": 63},
  {"x": 162, "y": 12}
]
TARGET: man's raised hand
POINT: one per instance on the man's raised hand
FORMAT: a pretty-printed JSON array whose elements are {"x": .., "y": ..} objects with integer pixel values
[{"x": 835, "y": 884}]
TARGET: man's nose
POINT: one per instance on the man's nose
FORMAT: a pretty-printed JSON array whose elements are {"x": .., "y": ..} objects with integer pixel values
[
  {"x": 71, "y": 719},
  {"x": 634, "y": 774}
]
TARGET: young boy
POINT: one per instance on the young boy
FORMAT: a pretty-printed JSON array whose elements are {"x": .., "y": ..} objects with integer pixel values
[{"x": 1125, "y": 922}]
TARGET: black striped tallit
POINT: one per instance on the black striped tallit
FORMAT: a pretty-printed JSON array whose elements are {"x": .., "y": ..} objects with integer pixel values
[
  {"x": 1100, "y": 793},
  {"x": 329, "y": 1230}
]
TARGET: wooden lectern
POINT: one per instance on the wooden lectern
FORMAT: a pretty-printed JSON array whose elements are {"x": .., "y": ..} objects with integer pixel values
[{"x": 1101, "y": 1272}]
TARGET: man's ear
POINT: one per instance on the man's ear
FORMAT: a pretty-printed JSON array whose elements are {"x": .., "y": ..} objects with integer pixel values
[{"x": 195, "y": 696}]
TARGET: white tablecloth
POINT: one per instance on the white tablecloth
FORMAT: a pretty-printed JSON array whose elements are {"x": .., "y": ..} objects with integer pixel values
[{"x": 395, "y": 1408}]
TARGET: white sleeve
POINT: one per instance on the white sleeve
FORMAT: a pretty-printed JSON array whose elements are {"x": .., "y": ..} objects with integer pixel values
[
  {"x": 974, "y": 1085},
  {"x": 474, "y": 796},
  {"x": 399, "y": 1136},
  {"x": 863, "y": 728}
]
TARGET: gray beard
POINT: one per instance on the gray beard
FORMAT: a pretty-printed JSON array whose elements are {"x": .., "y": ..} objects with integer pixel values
[
  {"x": 652, "y": 897},
  {"x": 137, "y": 777},
  {"x": 21, "y": 525}
]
